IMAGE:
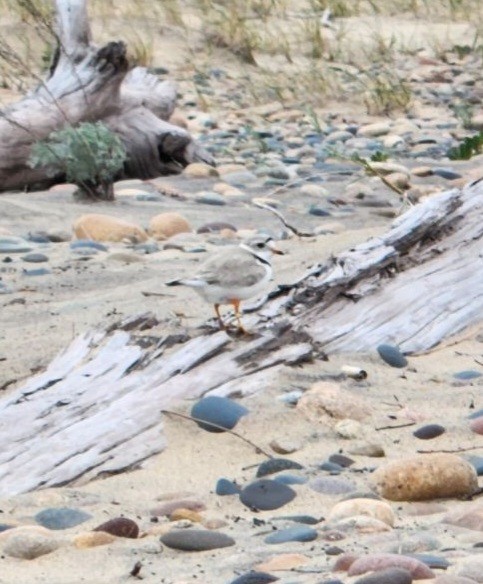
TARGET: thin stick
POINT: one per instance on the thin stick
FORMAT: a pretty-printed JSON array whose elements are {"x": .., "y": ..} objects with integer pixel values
[
  {"x": 192, "y": 419},
  {"x": 449, "y": 451},
  {"x": 397, "y": 426},
  {"x": 293, "y": 229}
]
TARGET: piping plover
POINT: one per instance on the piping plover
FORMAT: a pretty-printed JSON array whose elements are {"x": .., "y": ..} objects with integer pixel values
[{"x": 233, "y": 274}]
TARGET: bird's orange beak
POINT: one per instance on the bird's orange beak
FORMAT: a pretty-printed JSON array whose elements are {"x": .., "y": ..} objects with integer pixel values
[{"x": 274, "y": 248}]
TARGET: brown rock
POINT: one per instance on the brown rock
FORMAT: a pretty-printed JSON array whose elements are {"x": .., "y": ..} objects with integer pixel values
[
  {"x": 120, "y": 527},
  {"x": 326, "y": 400},
  {"x": 477, "y": 425},
  {"x": 200, "y": 170},
  {"x": 282, "y": 563},
  {"x": 107, "y": 228},
  {"x": 377, "y": 562},
  {"x": 93, "y": 539},
  {"x": 470, "y": 518},
  {"x": 398, "y": 179},
  {"x": 168, "y": 507},
  {"x": 165, "y": 225},
  {"x": 370, "y": 507},
  {"x": 345, "y": 561},
  {"x": 453, "y": 579},
  {"x": 284, "y": 446},
  {"x": 428, "y": 476},
  {"x": 183, "y": 513}
]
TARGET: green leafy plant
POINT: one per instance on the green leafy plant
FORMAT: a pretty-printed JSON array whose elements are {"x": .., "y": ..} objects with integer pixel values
[
  {"x": 88, "y": 155},
  {"x": 468, "y": 148}
]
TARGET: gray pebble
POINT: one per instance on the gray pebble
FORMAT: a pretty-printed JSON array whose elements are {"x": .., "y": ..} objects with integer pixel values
[
  {"x": 35, "y": 258},
  {"x": 392, "y": 355},
  {"x": 196, "y": 540},
  {"x": 37, "y": 272},
  {"x": 61, "y": 517},
  {"x": 429, "y": 431},
  {"x": 90, "y": 244},
  {"x": 276, "y": 465},
  {"x": 389, "y": 576},
  {"x": 266, "y": 495},
  {"x": 10, "y": 244},
  {"x": 332, "y": 485},
  {"x": 220, "y": 411},
  {"x": 298, "y": 533},
  {"x": 254, "y": 578},
  {"x": 210, "y": 198}
]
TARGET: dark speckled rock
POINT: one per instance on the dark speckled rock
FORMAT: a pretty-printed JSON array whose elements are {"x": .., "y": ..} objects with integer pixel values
[
  {"x": 265, "y": 495},
  {"x": 275, "y": 465},
  {"x": 429, "y": 431}
]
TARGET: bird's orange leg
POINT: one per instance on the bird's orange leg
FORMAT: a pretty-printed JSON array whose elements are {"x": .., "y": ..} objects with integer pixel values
[
  {"x": 236, "y": 306},
  {"x": 218, "y": 316}
]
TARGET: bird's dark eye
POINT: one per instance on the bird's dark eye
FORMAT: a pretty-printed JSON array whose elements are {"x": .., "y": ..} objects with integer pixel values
[{"x": 260, "y": 245}]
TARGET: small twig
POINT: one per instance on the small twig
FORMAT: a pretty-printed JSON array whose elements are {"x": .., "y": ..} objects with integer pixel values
[
  {"x": 135, "y": 571},
  {"x": 456, "y": 450},
  {"x": 222, "y": 428},
  {"x": 406, "y": 425},
  {"x": 478, "y": 362},
  {"x": 293, "y": 229}
]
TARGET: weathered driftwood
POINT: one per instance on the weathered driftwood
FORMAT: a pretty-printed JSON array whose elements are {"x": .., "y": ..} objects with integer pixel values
[
  {"x": 97, "y": 407},
  {"x": 88, "y": 83}
]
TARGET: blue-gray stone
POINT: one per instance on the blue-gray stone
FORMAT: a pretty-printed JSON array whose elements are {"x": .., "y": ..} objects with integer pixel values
[
  {"x": 35, "y": 258},
  {"x": 477, "y": 463},
  {"x": 147, "y": 247},
  {"x": 276, "y": 465},
  {"x": 37, "y": 272},
  {"x": 266, "y": 495},
  {"x": 467, "y": 375},
  {"x": 446, "y": 173},
  {"x": 332, "y": 485},
  {"x": 297, "y": 533},
  {"x": 429, "y": 431},
  {"x": 148, "y": 197},
  {"x": 331, "y": 467},
  {"x": 392, "y": 355},
  {"x": 432, "y": 561},
  {"x": 254, "y": 578},
  {"x": 210, "y": 198},
  {"x": 226, "y": 487},
  {"x": 196, "y": 540},
  {"x": 341, "y": 460},
  {"x": 290, "y": 479},
  {"x": 318, "y": 211},
  {"x": 240, "y": 178},
  {"x": 61, "y": 517},
  {"x": 11, "y": 244},
  {"x": 5, "y": 526},
  {"x": 88, "y": 244},
  {"x": 305, "y": 519},
  {"x": 223, "y": 412},
  {"x": 38, "y": 237},
  {"x": 476, "y": 414}
]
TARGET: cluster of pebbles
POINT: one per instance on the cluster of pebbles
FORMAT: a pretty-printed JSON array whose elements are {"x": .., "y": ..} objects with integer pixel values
[{"x": 351, "y": 516}]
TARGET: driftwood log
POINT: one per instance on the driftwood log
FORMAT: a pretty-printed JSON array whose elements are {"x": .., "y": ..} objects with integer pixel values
[
  {"x": 97, "y": 408},
  {"x": 88, "y": 83}
]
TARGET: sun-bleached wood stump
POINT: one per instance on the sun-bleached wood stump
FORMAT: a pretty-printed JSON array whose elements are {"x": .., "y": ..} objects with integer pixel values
[
  {"x": 90, "y": 83},
  {"x": 97, "y": 408}
]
